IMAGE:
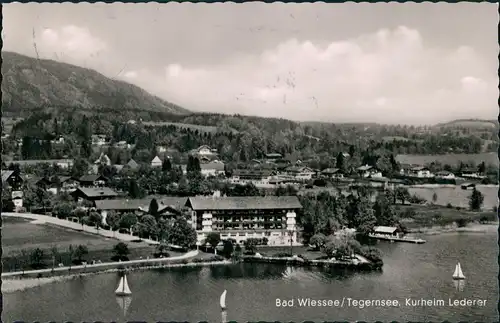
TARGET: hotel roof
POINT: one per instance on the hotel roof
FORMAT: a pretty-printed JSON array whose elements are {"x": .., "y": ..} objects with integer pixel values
[
  {"x": 244, "y": 203},
  {"x": 94, "y": 192}
]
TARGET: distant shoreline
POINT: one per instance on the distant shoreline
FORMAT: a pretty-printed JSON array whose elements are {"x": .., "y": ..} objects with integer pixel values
[{"x": 471, "y": 228}]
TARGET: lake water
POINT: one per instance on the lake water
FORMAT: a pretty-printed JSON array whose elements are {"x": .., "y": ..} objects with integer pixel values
[
  {"x": 182, "y": 294},
  {"x": 457, "y": 196}
]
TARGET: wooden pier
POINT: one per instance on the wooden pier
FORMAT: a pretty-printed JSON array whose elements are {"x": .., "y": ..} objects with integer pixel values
[{"x": 397, "y": 239}]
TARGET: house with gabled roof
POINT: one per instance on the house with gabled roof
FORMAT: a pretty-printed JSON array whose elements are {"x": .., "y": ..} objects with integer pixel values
[
  {"x": 156, "y": 162},
  {"x": 93, "y": 180},
  {"x": 93, "y": 194},
  {"x": 368, "y": 171}
]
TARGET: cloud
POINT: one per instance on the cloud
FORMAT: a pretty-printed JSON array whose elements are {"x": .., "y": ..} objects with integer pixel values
[
  {"x": 387, "y": 76},
  {"x": 70, "y": 43}
]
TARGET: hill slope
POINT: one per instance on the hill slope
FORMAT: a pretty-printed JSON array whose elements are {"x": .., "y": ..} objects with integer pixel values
[{"x": 29, "y": 83}]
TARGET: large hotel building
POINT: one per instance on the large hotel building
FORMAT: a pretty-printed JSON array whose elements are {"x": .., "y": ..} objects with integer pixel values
[{"x": 243, "y": 217}]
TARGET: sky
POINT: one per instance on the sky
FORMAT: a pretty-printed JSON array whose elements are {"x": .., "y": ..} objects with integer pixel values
[{"x": 388, "y": 62}]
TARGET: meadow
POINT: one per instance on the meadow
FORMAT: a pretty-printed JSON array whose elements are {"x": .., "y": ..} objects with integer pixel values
[
  {"x": 450, "y": 159},
  {"x": 21, "y": 234}
]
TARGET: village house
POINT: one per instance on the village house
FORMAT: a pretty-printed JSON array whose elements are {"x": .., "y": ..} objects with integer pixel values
[
  {"x": 215, "y": 168},
  {"x": 122, "y": 145},
  {"x": 243, "y": 217},
  {"x": 445, "y": 175},
  {"x": 332, "y": 173},
  {"x": 103, "y": 160},
  {"x": 11, "y": 179},
  {"x": 420, "y": 172},
  {"x": 300, "y": 173},
  {"x": 470, "y": 173},
  {"x": 272, "y": 157},
  {"x": 61, "y": 163},
  {"x": 368, "y": 171},
  {"x": 204, "y": 152},
  {"x": 99, "y": 140},
  {"x": 254, "y": 176},
  {"x": 59, "y": 140},
  {"x": 131, "y": 165},
  {"x": 156, "y": 162},
  {"x": 95, "y": 180},
  {"x": 92, "y": 194},
  {"x": 387, "y": 231}
]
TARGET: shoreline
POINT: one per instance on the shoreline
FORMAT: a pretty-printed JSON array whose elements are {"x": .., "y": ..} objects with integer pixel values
[
  {"x": 470, "y": 228},
  {"x": 23, "y": 282}
]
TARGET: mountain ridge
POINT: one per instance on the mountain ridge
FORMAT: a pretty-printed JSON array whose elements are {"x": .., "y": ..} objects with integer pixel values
[{"x": 29, "y": 83}]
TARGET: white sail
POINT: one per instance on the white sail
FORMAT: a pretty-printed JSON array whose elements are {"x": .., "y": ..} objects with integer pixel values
[
  {"x": 223, "y": 299},
  {"x": 458, "y": 274},
  {"x": 123, "y": 288},
  {"x": 119, "y": 289},
  {"x": 126, "y": 289}
]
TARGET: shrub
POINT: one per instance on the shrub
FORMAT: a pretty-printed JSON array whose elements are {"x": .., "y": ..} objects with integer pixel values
[
  {"x": 282, "y": 255},
  {"x": 303, "y": 257},
  {"x": 462, "y": 222},
  {"x": 449, "y": 206},
  {"x": 371, "y": 253}
]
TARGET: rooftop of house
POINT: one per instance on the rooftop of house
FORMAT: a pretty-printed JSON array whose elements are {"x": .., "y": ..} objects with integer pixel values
[
  {"x": 384, "y": 229},
  {"x": 419, "y": 168},
  {"x": 121, "y": 204},
  {"x": 273, "y": 155},
  {"x": 91, "y": 178},
  {"x": 330, "y": 171},
  {"x": 156, "y": 160},
  {"x": 299, "y": 169},
  {"x": 244, "y": 203},
  {"x": 95, "y": 192},
  {"x": 6, "y": 174},
  {"x": 365, "y": 168}
]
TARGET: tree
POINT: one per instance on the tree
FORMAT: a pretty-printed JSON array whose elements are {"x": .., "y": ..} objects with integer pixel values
[
  {"x": 340, "y": 162},
  {"x": 95, "y": 219},
  {"x": 251, "y": 246},
  {"x": 434, "y": 198},
  {"x": 167, "y": 165},
  {"x": 383, "y": 211},
  {"x": 134, "y": 191},
  {"x": 80, "y": 214},
  {"x": 121, "y": 252},
  {"x": 63, "y": 210},
  {"x": 318, "y": 241},
  {"x": 182, "y": 234},
  {"x": 71, "y": 253},
  {"x": 228, "y": 249},
  {"x": 36, "y": 259},
  {"x": 402, "y": 194},
  {"x": 55, "y": 255},
  {"x": 153, "y": 208},
  {"x": 476, "y": 200},
  {"x": 213, "y": 239},
  {"x": 162, "y": 250},
  {"x": 113, "y": 220},
  {"x": 150, "y": 225},
  {"x": 80, "y": 252},
  {"x": 127, "y": 221},
  {"x": 366, "y": 219}
]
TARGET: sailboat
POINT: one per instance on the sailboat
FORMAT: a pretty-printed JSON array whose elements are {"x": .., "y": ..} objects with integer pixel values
[
  {"x": 123, "y": 289},
  {"x": 458, "y": 274},
  {"x": 223, "y": 300}
]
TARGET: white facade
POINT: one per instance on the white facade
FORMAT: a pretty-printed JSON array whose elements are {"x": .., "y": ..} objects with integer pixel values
[{"x": 275, "y": 237}]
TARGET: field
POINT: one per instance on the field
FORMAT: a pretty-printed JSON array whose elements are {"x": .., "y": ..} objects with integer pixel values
[
  {"x": 206, "y": 129},
  {"x": 18, "y": 234},
  {"x": 450, "y": 159}
]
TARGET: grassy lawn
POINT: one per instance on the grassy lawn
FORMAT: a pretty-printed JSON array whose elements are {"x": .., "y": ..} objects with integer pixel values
[
  {"x": 18, "y": 234},
  {"x": 296, "y": 250}
]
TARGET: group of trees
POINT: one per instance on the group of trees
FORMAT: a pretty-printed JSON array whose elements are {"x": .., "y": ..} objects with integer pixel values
[
  {"x": 237, "y": 138},
  {"x": 38, "y": 258}
]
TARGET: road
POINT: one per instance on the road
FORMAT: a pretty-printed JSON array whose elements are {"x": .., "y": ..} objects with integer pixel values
[
  {"x": 77, "y": 226},
  {"x": 187, "y": 255}
]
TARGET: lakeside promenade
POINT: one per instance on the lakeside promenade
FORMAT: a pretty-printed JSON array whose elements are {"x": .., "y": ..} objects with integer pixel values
[{"x": 114, "y": 264}]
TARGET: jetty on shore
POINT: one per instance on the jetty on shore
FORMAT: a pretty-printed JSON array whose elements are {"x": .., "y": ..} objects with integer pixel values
[{"x": 397, "y": 239}]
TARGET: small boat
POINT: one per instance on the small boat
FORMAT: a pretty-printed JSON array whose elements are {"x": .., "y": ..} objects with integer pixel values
[
  {"x": 458, "y": 274},
  {"x": 123, "y": 289},
  {"x": 223, "y": 300}
]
